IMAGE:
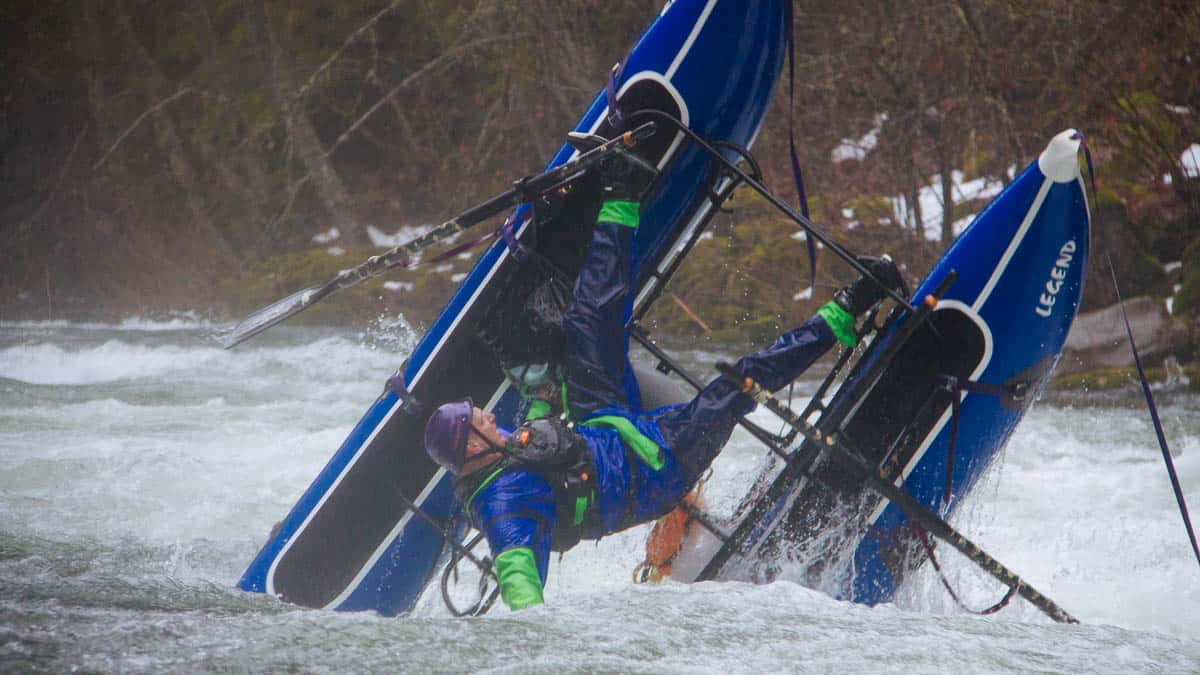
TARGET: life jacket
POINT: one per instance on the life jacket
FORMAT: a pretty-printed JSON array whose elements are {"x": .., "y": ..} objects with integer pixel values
[{"x": 550, "y": 448}]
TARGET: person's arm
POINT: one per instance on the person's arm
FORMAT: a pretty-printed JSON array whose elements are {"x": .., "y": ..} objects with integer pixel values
[
  {"x": 774, "y": 367},
  {"x": 517, "y": 515},
  {"x": 520, "y": 583}
]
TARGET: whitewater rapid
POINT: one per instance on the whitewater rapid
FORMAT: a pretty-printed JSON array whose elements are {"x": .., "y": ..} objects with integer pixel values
[{"x": 141, "y": 467}]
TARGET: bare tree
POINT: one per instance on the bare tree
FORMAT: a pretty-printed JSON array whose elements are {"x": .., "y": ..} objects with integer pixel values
[
  {"x": 319, "y": 167},
  {"x": 181, "y": 158}
]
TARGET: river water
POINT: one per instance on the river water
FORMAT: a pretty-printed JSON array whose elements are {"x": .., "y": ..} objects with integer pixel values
[{"x": 141, "y": 467}]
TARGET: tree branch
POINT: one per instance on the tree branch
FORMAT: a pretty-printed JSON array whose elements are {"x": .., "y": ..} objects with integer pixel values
[
  {"x": 150, "y": 111},
  {"x": 443, "y": 59},
  {"x": 350, "y": 39}
]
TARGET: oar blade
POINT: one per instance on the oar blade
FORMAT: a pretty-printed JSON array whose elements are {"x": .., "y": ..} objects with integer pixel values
[{"x": 276, "y": 312}]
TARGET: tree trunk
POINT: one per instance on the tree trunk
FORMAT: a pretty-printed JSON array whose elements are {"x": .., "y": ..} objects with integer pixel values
[
  {"x": 319, "y": 169},
  {"x": 181, "y": 159},
  {"x": 947, "y": 179}
]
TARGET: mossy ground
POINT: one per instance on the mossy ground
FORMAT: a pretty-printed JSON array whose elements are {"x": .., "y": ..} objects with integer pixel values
[{"x": 1109, "y": 379}]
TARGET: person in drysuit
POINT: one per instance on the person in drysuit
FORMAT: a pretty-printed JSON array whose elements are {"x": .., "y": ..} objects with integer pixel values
[{"x": 603, "y": 464}]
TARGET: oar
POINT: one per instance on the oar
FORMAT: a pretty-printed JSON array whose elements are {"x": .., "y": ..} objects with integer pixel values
[
  {"x": 402, "y": 255},
  {"x": 932, "y": 523},
  {"x": 809, "y": 226}
]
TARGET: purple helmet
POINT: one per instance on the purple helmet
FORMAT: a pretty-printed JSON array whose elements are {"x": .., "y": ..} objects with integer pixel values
[{"x": 446, "y": 434}]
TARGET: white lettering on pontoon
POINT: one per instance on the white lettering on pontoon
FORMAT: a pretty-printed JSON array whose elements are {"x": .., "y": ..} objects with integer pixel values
[{"x": 1058, "y": 274}]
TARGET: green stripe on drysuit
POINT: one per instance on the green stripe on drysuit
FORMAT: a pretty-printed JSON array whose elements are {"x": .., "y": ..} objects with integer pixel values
[
  {"x": 840, "y": 322},
  {"x": 645, "y": 448},
  {"x": 537, "y": 410},
  {"x": 520, "y": 583},
  {"x": 486, "y": 482},
  {"x": 622, "y": 213}
]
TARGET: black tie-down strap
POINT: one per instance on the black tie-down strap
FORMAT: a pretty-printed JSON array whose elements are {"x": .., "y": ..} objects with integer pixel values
[
  {"x": 1008, "y": 394},
  {"x": 928, "y": 546},
  {"x": 460, "y": 552}
]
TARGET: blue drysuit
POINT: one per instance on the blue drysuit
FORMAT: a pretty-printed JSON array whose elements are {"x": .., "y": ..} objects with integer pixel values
[{"x": 515, "y": 507}]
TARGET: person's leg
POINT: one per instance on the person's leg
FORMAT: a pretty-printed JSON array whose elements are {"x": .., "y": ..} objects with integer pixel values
[
  {"x": 594, "y": 322},
  {"x": 697, "y": 431}
]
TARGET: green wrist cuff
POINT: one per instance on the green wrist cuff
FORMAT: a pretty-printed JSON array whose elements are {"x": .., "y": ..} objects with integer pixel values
[
  {"x": 621, "y": 213},
  {"x": 520, "y": 583},
  {"x": 840, "y": 322}
]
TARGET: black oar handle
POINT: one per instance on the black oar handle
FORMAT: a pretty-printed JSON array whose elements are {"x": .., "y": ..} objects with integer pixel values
[{"x": 934, "y": 524}]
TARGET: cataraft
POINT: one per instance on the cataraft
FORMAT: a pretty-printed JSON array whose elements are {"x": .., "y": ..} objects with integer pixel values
[{"x": 856, "y": 490}]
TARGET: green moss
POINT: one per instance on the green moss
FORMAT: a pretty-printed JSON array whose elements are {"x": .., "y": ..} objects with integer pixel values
[{"x": 1108, "y": 379}]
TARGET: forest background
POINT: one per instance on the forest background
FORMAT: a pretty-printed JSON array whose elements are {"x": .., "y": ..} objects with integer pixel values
[{"x": 199, "y": 154}]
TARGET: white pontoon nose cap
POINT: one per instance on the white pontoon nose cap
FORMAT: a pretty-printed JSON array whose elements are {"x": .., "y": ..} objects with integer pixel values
[{"x": 1060, "y": 160}]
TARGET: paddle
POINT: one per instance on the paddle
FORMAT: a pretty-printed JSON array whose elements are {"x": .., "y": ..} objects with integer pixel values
[
  {"x": 402, "y": 255},
  {"x": 915, "y": 510},
  {"x": 800, "y": 219}
]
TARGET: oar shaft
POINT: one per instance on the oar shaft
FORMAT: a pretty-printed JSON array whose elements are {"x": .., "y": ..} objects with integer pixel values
[
  {"x": 401, "y": 255},
  {"x": 934, "y": 524},
  {"x": 808, "y": 225}
]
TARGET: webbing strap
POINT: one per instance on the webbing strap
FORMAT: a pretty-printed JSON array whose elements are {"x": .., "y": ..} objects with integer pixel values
[
  {"x": 956, "y": 387},
  {"x": 797, "y": 175},
  {"x": 1087, "y": 156},
  {"x": 924, "y": 537},
  {"x": 616, "y": 119}
]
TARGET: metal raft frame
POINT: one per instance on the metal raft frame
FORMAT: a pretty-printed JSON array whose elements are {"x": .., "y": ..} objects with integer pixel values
[{"x": 823, "y": 434}]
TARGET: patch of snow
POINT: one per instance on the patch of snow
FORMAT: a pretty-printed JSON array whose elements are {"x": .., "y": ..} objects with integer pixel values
[
  {"x": 847, "y": 213},
  {"x": 962, "y": 224},
  {"x": 1190, "y": 159},
  {"x": 930, "y": 197},
  {"x": 446, "y": 267},
  {"x": 327, "y": 236},
  {"x": 398, "y": 286},
  {"x": 1172, "y": 266},
  {"x": 852, "y": 225},
  {"x": 1171, "y": 305},
  {"x": 335, "y": 250},
  {"x": 707, "y": 234},
  {"x": 858, "y": 148},
  {"x": 403, "y": 235},
  {"x": 465, "y": 255},
  {"x": 805, "y": 294},
  {"x": 800, "y": 235},
  {"x": 458, "y": 277},
  {"x": 1167, "y": 180},
  {"x": 1178, "y": 109}
]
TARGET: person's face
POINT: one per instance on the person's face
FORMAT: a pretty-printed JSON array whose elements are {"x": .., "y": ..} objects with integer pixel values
[{"x": 483, "y": 425}]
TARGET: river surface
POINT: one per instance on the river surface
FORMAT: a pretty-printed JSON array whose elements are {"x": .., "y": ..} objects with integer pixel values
[{"x": 141, "y": 467}]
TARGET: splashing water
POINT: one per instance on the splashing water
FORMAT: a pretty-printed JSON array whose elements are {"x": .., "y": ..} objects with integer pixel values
[{"x": 141, "y": 466}]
